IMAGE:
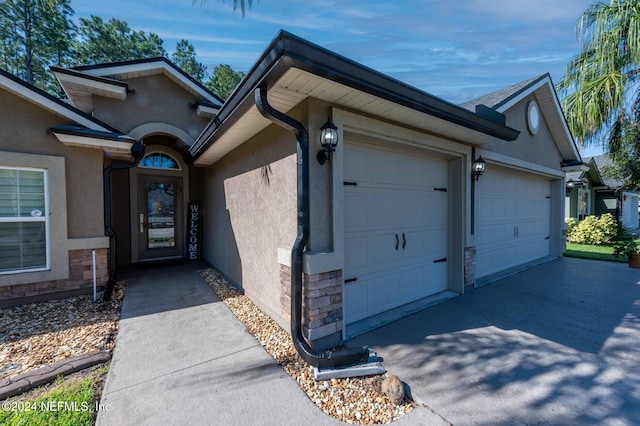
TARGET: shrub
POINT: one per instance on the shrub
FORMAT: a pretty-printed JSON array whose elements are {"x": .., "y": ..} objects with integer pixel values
[{"x": 593, "y": 230}]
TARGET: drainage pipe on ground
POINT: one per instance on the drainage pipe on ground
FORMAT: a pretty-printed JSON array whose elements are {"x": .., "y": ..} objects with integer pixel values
[
  {"x": 137, "y": 152},
  {"x": 328, "y": 358}
]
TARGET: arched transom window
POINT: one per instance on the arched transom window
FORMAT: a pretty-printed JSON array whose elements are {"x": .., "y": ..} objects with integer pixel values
[{"x": 159, "y": 160}]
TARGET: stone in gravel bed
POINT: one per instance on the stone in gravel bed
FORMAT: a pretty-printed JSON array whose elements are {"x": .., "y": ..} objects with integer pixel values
[{"x": 353, "y": 400}]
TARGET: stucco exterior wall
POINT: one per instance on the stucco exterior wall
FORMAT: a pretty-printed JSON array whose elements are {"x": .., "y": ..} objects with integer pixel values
[
  {"x": 23, "y": 130},
  {"x": 157, "y": 99},
  {"x": 538, "y": 149},
  {"x": 76, "y": 220},
  {"x": 249, "y": 211}
]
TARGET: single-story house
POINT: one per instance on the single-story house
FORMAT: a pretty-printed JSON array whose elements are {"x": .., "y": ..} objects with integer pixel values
[
  {"x": 589, "y": 192},
  {"x": 392, "y": 217}
]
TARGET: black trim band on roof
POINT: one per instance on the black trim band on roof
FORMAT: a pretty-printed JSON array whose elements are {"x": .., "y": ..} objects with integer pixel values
[
  {"x": 59, "y": 102},
  {"x": 149, "y": 61},
  {"x": 288, "y": 51},
  {"x": 80, "y": 74},
  {"x": 83, "y": 131}
]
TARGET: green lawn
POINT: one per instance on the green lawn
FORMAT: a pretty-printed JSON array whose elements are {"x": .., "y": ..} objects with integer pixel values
[
  {"x": 584, "y": 251},
  {"x": 69, "y": 402}
]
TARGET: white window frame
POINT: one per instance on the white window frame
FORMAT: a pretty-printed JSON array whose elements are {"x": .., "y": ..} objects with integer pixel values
[{"x": 44, "y": 218}]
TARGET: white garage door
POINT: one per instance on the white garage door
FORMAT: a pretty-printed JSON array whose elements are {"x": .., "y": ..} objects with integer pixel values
[
  {"x": 630, "y": 211},
  {"x": 395, "y": 229},
  {"x": 513, "y": 220}
]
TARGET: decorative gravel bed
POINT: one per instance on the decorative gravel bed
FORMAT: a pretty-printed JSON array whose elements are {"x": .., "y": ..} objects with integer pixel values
[
  {"x": 353, "y": 400},
  {"x": 38, "y": 334}
]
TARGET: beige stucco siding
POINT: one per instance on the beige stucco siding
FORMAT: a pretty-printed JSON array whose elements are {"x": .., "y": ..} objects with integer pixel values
[
  {"x": 156, "y": 99},
  {"x": 250, "y": 211},
  {"x": 23, "y": 130},
  {"x": 538, "y": 149}
]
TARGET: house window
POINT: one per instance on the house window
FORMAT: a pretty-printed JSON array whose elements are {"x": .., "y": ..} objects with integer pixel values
[
  {"x": 24, "y": 223},
  {"x": 159, "y": 160}
]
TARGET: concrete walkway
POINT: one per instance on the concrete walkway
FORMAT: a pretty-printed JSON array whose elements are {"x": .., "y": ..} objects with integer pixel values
[
  {"x": 558, "y": 344},
  {"x": 182, "y": 358}
]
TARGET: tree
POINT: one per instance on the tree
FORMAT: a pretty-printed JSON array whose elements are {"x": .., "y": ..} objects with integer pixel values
[
  {"x": 223, "y": 80},
  {"x": 242, "y": 4},
  {"x": 601, "y": 82},
  {"x": 185, "y": 57},
  {"x": 35, "y": 36},
  {"x": 624, "y": 156},
  {"x": 113, "y": 41}
]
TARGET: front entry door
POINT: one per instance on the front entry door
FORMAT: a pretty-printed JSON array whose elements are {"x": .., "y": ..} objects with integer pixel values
[{"x": 159, "y": 217}]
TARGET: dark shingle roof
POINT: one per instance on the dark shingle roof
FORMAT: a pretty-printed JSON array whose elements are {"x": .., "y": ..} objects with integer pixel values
[{"x": 495, "y": 99}]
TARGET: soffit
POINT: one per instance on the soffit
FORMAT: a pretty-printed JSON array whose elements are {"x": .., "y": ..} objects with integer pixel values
[{"x": 295, "y": 85}]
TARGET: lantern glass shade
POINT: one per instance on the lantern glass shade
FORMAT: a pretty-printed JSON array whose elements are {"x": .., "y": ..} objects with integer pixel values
[
  {"x": 329, "y": 136},
  {"x": 478, "y": 166}
]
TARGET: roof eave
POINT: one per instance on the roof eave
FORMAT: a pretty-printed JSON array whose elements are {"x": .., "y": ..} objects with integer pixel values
[
  {"x": 91, "y": 84},
  {"x": 159, "y": 64},
  {"x": 287, "y": 51},
  {"x": 114, "y": 145}
]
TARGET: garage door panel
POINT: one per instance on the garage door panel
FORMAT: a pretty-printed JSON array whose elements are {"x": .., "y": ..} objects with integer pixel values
[
  {"x": 355, "y": 165},
  {"x": 382, "y": 293},
  {"x": 413, "y": 172},
  {"x": 382, "y": 252},
  {"x": 353, "y": 219},
  {"x": 355, "y": 258},
  {"x": 413, "y": 209},
  {"x": 381, "y": 169},
  {"x": 513, "y": 220},
  {"x": 395, "y": 198},
  {"x": 382, "y": 209},
  {"x": 415, "y": 247},
  {"x": 353, "y": 298}
]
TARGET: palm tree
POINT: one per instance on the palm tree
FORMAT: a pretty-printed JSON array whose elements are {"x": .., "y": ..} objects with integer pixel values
[
  {"x": 601, "y": 82},
  {"x": 242, "y": 4}
]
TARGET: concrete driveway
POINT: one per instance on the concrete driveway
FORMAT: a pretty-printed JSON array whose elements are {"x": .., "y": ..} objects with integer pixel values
[{"x": 558, "y": 344}]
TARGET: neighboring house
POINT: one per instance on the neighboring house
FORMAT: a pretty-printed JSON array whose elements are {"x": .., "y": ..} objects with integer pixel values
[
  {"x": 396, "y": 218},
  {"x": 590, "y": 193}
]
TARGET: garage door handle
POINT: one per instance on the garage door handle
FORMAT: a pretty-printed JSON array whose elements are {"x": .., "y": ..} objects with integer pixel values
[
  {"x": 351, "y": 280},
  {"x": 444, "y": 259},
  {"x": 397, "y": 242},
  {"x": 404, "y": 241}
]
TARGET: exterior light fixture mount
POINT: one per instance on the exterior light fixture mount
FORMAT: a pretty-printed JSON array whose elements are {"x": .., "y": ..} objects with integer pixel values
[
  {"x": 478, "y": 168},
  {"x": 573, "y": 184},
  {"x": 328, "y": 140}
]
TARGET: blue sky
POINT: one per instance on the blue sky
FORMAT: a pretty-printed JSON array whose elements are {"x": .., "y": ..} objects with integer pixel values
[{"x": 455, "y": 49}]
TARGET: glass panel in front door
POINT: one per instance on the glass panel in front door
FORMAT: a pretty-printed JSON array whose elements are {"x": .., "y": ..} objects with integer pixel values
[
  {"x": 160, "y": 233},
  {"x": 160, "y": 215}
]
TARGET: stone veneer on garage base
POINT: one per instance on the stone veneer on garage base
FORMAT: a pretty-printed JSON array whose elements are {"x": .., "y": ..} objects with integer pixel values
[
  {"x": 80, "y": 278},
  {"x": 321, "y": 306},
  {"x": 469, "y": 268}
]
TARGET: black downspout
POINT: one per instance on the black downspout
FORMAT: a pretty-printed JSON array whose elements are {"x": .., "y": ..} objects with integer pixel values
[
  {"x": 137, "y": 152},
  {"x": 328, "y": 358}
]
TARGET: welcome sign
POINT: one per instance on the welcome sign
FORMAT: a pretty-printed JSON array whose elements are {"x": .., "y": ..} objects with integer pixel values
[{"x": 193, "y": 230}]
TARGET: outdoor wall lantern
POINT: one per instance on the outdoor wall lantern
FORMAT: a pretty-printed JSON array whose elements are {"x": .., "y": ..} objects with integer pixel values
[
  {"x": 328, "y": 140},
  {"x": 572, "y": 184},
  {"x": 478, "y": 168}
]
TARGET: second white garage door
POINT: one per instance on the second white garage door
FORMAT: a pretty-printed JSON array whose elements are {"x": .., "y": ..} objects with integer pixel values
[
  {"x": 395, "y": 229},
  {"x": 513, "y": 220}
]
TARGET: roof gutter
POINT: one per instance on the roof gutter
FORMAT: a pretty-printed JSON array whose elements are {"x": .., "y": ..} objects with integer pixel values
[
  {"x": 329, "y": 358},
  {"x": 287, "y": 51}
]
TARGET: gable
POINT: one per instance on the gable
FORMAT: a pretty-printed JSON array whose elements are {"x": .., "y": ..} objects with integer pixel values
[
  {"x": 153, "y": 99},
  {"x": 539, "y": 148},
  {"x": 513, "y": 101}
]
